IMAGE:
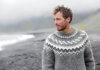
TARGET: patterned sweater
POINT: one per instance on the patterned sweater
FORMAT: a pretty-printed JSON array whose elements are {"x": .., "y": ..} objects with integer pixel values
[{"x": 68, "y": 51}]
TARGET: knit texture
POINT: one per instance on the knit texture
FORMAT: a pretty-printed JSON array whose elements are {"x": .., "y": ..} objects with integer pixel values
[{"x": 68, "y": 51}]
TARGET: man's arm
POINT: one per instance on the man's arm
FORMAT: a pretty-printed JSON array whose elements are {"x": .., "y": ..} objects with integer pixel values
[
  {"x": 48, "y": 58},
  {"x": 88, "y": 56}
]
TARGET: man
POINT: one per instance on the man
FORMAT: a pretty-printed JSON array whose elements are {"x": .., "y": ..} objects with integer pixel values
[{"x": 68, "y": 48}]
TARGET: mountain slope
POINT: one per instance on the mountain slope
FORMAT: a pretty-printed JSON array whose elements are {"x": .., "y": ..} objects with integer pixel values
[{"x": 91, "y": 22}]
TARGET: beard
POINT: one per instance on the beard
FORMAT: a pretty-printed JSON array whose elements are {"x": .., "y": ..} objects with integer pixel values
[{"x": 61, "y": 28}]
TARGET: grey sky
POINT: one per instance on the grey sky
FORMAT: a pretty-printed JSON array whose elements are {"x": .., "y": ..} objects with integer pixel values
[{"x": 14, "y": 10}]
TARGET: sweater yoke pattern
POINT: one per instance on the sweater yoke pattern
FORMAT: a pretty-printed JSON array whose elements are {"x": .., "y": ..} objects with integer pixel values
[{"x": 62, "y": 44}]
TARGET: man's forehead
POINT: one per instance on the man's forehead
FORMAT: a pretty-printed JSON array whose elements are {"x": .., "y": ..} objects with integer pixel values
[{"x": 58, "y": 14}]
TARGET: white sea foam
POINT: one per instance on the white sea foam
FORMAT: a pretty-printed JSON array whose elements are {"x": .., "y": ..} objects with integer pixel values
[{"x": 11, "y": 39}]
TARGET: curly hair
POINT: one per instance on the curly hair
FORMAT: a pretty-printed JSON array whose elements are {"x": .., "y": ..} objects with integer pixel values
[{"x": 67, "y": 12}]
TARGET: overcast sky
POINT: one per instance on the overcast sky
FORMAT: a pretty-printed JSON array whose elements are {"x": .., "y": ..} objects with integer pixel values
[{"x": 14, "y": 10}]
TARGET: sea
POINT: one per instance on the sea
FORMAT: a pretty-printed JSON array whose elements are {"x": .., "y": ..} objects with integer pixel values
[{"x": 12, "y": 39}]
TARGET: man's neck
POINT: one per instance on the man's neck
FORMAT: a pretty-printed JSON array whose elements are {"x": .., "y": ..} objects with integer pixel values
[{"x": 68, "y": 29}]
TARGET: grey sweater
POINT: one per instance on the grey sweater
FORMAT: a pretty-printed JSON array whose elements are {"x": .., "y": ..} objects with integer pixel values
[{"x": 68, "y": 51}]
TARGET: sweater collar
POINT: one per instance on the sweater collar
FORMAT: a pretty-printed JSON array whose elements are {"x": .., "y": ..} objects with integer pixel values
[{"x": 63, "y": 34}]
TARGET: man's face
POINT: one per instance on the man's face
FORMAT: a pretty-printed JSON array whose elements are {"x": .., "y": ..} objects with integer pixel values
[{"x": 60, "y": 22}]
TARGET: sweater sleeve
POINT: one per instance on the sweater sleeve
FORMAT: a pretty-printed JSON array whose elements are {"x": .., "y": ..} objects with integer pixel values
[
  {"x": 88, "y": 56},
  {"x": 48, "y": 58}
]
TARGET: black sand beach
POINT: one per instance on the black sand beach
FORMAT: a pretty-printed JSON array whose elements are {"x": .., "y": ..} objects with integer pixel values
[{"x": 27, "y": 55}]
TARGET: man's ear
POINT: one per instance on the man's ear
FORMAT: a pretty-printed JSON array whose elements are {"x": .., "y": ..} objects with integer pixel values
[{"x": 68, "y": 19}]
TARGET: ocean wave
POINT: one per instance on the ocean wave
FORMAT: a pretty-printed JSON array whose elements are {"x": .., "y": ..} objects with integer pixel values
[{"x": 11, "y": 39}]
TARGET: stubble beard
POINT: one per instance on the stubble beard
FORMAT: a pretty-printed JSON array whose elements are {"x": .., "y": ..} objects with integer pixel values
[{"x": 61, "y": 28}]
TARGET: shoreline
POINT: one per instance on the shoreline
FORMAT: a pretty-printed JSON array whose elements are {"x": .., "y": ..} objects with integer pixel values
[{"x": 14, "y": 40}]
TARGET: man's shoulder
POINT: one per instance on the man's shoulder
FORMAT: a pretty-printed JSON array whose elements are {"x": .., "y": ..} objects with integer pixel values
[
  {"x": 48, "y": 39},
  {"x": 82, "y": 32},
  {"x": 79, "y": 31},
  {"x": 50, "y": 35}
]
